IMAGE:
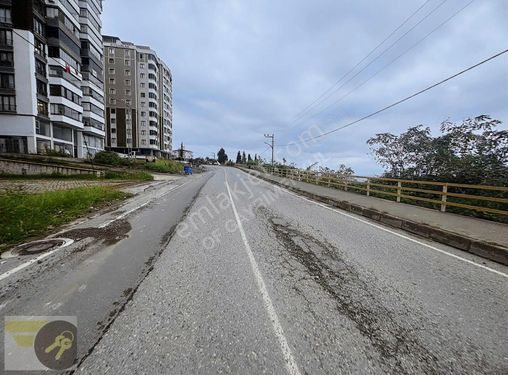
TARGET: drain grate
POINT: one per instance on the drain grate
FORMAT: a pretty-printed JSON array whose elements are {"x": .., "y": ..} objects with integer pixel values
[{"x": 34, "y": 247}]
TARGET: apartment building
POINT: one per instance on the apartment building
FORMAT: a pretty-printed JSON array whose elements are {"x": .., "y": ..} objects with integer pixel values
[
  {"x": 45, "y": 107},
  {"x": 139, "y": 105}
]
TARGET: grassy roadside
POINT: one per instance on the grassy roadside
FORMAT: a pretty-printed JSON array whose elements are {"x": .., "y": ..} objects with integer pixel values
[
  {"x": 27, "y": 215},
  {"x": 133, "y": 175}
]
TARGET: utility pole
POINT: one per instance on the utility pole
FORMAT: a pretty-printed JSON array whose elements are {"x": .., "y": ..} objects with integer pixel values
[{"x": 272, "y": 146}]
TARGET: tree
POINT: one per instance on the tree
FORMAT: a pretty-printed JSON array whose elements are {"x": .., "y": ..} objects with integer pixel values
[
  {"x": 222, "y": 157},
  {"x": 238, "y": 158},
  {"x": 249, "y": 159},
  {"x": 344, "y": 171},
  {"x": 244, "y": 159},
  {"x": 472, "y": 152}
]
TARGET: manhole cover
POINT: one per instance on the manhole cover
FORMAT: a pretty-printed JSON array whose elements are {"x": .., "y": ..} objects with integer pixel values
[{"x": 35, "y": 247}]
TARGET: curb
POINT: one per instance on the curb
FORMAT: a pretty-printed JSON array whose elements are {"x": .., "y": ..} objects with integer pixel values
[{"x": 487, "y": 250}]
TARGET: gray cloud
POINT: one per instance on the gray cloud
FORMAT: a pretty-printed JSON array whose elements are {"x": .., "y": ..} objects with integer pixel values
[{"x": 242, "y": 68}]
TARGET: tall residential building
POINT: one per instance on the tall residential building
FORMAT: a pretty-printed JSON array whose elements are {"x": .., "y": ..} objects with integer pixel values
[
  {"x": 92, "y": 69},
  {"x": 45, "y": 106},
  {"x": 139, "y": 106}
]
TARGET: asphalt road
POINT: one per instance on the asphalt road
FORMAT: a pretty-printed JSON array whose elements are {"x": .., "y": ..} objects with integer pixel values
[
  {"x": 258, "y": 280},
  {"x": 94, "y": 277}
]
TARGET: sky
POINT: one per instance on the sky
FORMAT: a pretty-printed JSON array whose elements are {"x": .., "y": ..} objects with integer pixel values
[{"x": 243, "y": 68}]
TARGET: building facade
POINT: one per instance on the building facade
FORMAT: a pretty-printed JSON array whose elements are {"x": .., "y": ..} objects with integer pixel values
[
  {"x": 46, "y": 108},
  {"x": 139, "y": 108}
]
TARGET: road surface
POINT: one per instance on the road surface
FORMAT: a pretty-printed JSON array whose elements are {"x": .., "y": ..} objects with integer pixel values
[{"x": 255, "y": 280}]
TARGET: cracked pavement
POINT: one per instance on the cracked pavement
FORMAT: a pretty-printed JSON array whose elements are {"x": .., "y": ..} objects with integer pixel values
[{"x": 349, "y": 297}]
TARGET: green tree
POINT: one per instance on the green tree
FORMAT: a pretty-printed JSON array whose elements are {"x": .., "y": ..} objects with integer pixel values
[
  {"x": 249, "y": 159},
  {"x": 222, "y": 157},
  {"x": 238, "y": 158},
  {"x": 244, "y": 159},
  {"x": 471, "y": 152}
]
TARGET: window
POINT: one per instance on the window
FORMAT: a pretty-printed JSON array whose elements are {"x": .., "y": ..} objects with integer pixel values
[
  {"x": 5, "y": 38},
  {"x": 5, "y": 15},
  {"x": 111, "y": 51},
  {"x": 39, "y": 48},
  {"x": 143, "y": 104},
  {"x": 113, "y": 111},
  {"x": 128, "y": 102},
  {"x": 143, "y": 114},
  {"x": 128, "y": 92},
  {"x": 6, "y": 59},
  {"x": 42, "y": 88},
  {"x": 127, "y": 62},
  {"x": 7, "y": 103},
  {"x": 143, "y": 141},
  {"x": 42, "y": 108},
  {"x": 113, "y": 130},
  {"x": 111, "y": 81},
  {"x": 38, "y": 28},
  {"x": 111, "y": 70},
  {"x": 127, "y": 72},
  {"x": 112, "y": 91},
  {"x": 143, "y": 123},
  {"x": 113, "y": 120},
  {"x": 142, "y": 65},
  {"x": 143, "y": 95},
  {"x": 142, "y": 75},
  {"x": 127, "y": 82},
  {"x": 143, "y": 132},
  {"x": 142, "y": 84},
  {"x": 127, "y": 53},
  {"x": 112, "y": 101},
  {"x": 7, "y": 81},
  {"x": 62, "y": 110},
  {"x": 40, "y": 68},
  {"x": 111, "y": 60},
  {"x": 113, "y": 140}
]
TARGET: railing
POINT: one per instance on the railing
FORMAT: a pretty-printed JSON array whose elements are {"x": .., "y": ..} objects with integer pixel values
[{"x": 432, "y": 194}]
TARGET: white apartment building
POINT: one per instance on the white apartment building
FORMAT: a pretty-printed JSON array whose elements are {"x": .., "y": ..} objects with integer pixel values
[{"x": 48, "y": 110}]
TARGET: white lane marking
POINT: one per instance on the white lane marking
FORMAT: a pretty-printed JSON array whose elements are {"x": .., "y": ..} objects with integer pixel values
[
  {"x": 291, "y": 365},
  {"x": 121, "y": 216},
  {"x": 34, "y": 260},
  {"x": 388, "y": 230}
]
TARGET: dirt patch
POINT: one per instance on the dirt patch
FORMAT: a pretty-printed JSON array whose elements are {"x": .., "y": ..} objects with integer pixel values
[{"x": 113, "y": 233}]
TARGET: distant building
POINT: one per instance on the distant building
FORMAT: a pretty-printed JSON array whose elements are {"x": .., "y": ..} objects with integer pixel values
[
  {"x": 139, "y": 108},
  {"x": 181, "y": 153},
  {"x": 49, "y": 53}
]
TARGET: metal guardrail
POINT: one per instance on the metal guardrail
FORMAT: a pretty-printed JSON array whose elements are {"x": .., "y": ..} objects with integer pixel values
[{"x": 440, "y": 194}]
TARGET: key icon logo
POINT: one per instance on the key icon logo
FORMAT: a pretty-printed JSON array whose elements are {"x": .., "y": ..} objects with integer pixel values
[
  {"x": 56, "y": 345},
  {"x": 62, "y": 342}
]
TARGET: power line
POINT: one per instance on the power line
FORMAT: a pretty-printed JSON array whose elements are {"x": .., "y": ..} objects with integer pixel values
[
  {"x": 333, "y": 88},
  {"x": 400, "y": 101},
  {"x": 395, "y": 59}
]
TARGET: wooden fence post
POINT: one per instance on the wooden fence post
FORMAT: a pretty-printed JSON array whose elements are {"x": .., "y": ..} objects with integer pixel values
[
  {"x": 399, "y": 185},
  {"x": 443, "y": 198}
]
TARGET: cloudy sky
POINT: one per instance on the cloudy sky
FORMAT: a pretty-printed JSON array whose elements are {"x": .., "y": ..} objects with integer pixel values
[{"x": 242, "y": 68}]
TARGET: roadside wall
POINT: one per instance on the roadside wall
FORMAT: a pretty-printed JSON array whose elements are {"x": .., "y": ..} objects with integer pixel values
[{"x": 16, "y": 167}]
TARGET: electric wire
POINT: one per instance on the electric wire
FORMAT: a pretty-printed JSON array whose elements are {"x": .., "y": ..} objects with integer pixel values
[{"x": 399, "y": 101}]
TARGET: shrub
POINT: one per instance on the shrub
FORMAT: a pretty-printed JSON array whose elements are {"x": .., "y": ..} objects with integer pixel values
[
  {"x": 165, "y": 166},
  {"x": 110, "y": 158}
]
